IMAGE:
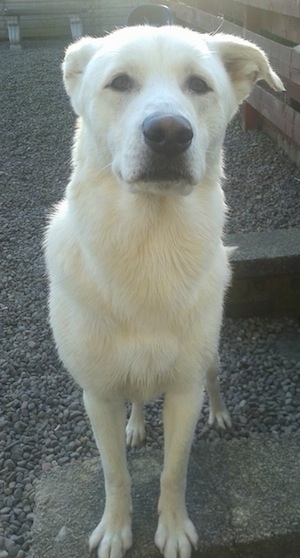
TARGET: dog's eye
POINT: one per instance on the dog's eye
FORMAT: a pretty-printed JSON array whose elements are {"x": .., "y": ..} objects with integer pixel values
[
  {"x": 121, "y": 83},
  {"x": 198, "y": 85}
]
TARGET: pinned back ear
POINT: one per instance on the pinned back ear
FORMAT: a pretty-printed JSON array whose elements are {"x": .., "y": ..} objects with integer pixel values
[
  {"x": 245, "y": 63},
  {"x": 77, "y": 57}
]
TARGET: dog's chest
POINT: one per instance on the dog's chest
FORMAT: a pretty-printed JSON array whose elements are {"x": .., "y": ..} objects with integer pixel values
[
  {"x": 153, "y": 271},
  {"x": 149, "y": 264}
]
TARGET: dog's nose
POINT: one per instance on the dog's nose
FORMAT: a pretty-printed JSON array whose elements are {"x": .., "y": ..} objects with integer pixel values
[{"x": 167, "y": 134}]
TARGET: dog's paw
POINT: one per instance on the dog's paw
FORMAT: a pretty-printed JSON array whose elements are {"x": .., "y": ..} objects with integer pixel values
[
  {"x": 135, "y": 435},
  {"x": 110, "y": 540},
  {"x": 175, "y": 537},
  {"x": 135, "y": 429},
  {"x": 220, "y": 417}
]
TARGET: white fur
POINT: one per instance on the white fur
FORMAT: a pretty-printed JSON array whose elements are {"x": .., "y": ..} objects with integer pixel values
[{"x": 137, "y": 268}]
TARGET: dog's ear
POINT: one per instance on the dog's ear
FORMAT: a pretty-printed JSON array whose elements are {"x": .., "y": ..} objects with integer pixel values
[
  {"x": 245, "y": 63},
  {"x": 77, "y": 57}
]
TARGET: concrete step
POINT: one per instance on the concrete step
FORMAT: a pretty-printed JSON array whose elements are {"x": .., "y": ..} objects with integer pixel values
[
  {"x": 266, "y": 274},
  {"x": 244, "y": 498}
]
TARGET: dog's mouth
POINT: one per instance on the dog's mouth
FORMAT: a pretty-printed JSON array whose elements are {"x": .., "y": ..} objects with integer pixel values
[
  {"x": 164, "y": 171},
  {"x": 157, "y": 178},
  {"x": 163, "y": 175}
]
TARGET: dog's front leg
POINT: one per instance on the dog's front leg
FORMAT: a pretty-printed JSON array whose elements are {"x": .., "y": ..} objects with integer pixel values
[
  {"x": 176, "y": 534},
  {"x": 113, "y": 534}
]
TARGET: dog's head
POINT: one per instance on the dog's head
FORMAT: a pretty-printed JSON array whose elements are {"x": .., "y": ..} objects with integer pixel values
[{"x": 155, "y": 102}]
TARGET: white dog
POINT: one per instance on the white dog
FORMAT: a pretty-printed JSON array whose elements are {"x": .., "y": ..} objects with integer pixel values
[{"x": 134, "y": 252}]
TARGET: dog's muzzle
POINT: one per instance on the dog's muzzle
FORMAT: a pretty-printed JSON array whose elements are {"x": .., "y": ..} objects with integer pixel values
[
  {"x": 167, "y": 134},
  {"x": 168, "y": 138}
]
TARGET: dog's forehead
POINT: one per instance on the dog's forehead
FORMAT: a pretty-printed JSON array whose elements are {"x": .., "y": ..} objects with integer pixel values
[{"x": 171, "y": 47}]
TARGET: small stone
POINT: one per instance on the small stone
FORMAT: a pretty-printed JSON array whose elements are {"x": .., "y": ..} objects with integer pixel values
[
  {"x": 63, "y": 534},
  {"x": 11, "y": 548},
  {"x": 9, "y": 464},
  {"x": 46, "y": 467}
]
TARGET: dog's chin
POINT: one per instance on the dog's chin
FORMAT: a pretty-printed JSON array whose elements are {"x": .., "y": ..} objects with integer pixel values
[{"x": 161, "y": 188}]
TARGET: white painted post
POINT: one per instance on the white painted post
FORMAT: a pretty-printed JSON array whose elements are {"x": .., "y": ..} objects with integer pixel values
[
  {"x": 76, "y": 26},
  {"x": 13, "y": 26}
]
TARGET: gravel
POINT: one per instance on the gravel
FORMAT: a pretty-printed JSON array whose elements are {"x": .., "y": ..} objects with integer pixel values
[{"x": 42, "y": 420}]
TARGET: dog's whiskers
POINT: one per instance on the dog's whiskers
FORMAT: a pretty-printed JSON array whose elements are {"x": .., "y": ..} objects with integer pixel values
[{"x": 105, "y": 167}]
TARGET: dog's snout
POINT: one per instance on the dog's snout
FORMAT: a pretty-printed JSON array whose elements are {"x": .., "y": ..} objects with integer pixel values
[{"x": 167, "y": 134}]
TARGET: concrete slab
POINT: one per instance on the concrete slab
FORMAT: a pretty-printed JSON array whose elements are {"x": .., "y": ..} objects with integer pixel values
[
  {"x": 244, "y": 498},
  {"x": 262, "y": 253},
  {"x": 266, "y": 274}
]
